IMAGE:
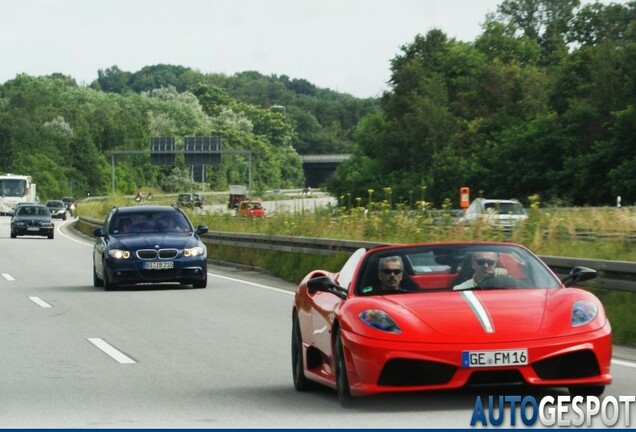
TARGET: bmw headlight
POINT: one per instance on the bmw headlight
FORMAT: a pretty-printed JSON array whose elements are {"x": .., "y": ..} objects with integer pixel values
[
  {"x": 380, "y": 320},
  {"x": 193, "y": 252},
  {"x": 119, "y": 254},
  {"x": 583, "y": 312}
]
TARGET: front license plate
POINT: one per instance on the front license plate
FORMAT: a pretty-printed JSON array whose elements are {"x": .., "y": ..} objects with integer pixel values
[
  {"x": 158, "y": 265},
  {"x": 472, "y": 359},
  {"x": 33, "y": 229}
]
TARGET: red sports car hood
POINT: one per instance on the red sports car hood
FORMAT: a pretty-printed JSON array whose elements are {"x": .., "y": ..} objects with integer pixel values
[{"x": 471, "y": 315}]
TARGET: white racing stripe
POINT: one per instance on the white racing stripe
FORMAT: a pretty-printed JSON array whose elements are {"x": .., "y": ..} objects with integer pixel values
[
  {"x": 111, "y": 351},
  {"x": 7, "y": 276},
  {"x": 479, "y": 310},
  {"x": 38, "y": 301}
]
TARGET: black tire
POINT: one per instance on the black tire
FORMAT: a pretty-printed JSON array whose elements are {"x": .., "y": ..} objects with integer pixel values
[
  {"x": 52, "y": 235},
  {"x": 13, "y": 235},
  {"x": 586, "y": 390},
  {"x": 108, "y": 285},
  {"x": 201, "y": 283},
  {"x": 64, "y": 217},
  {"x": 97, "y": 282},
  {"x": 301, "y": 383},
  {"x": 342, "y": 379}
]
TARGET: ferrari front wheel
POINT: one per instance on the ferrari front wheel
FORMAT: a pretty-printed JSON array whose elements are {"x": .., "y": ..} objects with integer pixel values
[
  {"x": 301, "y": 383},
  {"x": 342, "y": 379}
]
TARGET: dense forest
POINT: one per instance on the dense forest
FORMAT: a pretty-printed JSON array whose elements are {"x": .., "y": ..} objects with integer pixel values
[
  {"x": 63, "y": 134},
  {"x": 540, "y": 104}
]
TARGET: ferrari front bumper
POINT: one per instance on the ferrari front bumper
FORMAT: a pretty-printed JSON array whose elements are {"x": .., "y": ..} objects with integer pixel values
[{"x": 377, "y": 366}]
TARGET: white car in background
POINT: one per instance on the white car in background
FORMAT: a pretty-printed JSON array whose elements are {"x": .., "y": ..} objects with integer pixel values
[{"x": 505, "y": 213}]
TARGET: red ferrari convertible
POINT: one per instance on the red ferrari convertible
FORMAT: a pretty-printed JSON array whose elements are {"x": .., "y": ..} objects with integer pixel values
[{"x": 447, "y": 315}]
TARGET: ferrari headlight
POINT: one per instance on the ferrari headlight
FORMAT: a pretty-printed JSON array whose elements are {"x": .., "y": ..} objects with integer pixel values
[
  {"x": 119, "y": 254},
  {"x": 193, "y": 252},
  {"x": 380, "y": 320},
  {"x": 583, "y": 312}
]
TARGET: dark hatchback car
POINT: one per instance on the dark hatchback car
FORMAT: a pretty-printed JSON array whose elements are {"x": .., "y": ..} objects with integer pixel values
[
  {"x": 149, "y": 244},
  {"x": 32, "y": 220},
  {"x": 190, "y": 200},
  {"x": 57, "y": 209}
]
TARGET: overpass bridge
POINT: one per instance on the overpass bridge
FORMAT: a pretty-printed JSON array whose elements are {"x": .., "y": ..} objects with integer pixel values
[{"x": 318, "y": 168}]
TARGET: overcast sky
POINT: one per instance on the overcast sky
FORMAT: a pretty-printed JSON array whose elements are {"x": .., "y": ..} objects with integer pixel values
[{"x": 344, "y": 45}]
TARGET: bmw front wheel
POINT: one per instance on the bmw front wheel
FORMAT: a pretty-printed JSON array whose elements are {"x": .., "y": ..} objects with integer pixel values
[{"x": 108, "y": 285}]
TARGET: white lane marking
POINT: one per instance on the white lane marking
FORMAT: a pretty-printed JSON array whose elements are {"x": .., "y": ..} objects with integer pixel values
[
  {"x": 479, "y": 310},
  {"x": 267, "y": 287},
  {"x": 59, "y": 230},
  {"x": 7, "y": 276},
  {"x": 111, "y": 351},
  {"x": 624, "y": 363},
  {"x": 38, "y": 301}
]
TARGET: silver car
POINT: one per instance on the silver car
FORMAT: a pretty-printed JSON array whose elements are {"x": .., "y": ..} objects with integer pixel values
[
  {"x": 57, "y": 209},
  {"x": 505, "y": 213}
]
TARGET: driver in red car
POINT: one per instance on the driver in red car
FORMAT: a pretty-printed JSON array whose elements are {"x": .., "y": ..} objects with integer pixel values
[{"x": 484, "y": 267}]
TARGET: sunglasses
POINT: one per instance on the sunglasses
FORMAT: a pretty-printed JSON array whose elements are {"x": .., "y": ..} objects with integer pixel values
[
  {"x": 482, "y": 261},
  {"x": 389, "y": 271}
]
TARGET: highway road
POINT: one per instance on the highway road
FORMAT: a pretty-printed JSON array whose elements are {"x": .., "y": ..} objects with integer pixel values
[{"x": 75, "y": 356}]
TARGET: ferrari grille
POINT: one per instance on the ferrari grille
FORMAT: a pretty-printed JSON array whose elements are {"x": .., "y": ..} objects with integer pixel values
[
  {"x": 578, "y": 364},
  {"x": 409, "y": 372},
  {"x": 153, "y": 254}
]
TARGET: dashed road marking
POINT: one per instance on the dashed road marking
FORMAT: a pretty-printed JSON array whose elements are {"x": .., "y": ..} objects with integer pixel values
[
  {"x": 38, "y": 301},
  {"x": 111, "y": 351}
]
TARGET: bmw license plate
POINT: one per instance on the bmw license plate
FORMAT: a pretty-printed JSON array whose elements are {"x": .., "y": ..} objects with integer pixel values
[
  {"x": 516, "y": 357},
  {"x": 33, "y": 229},
  {"x": 158, "y": 265}
]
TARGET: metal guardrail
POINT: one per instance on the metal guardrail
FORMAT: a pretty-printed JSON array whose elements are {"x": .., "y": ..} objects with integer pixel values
[{"x": 612, "y": 275}]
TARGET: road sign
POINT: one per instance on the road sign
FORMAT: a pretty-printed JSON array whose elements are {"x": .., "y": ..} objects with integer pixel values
[
  {"x": 202, "y": 150},
  {"x": 162, "y": 151}
]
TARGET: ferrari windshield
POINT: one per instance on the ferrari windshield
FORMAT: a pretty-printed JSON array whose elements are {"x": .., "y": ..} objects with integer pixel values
[{"x": 447, "y": 267}]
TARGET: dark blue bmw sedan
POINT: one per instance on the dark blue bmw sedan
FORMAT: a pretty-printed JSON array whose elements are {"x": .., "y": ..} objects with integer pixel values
[{"x": 149, "y": 244}]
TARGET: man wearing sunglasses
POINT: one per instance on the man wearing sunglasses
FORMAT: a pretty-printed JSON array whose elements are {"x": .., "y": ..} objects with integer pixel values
[
  {"x": 484, "y": 267},
  {"x": 390, "y": 271}
]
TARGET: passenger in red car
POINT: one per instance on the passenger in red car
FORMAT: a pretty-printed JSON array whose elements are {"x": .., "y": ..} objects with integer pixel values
[{"x": 390, "y": 271}]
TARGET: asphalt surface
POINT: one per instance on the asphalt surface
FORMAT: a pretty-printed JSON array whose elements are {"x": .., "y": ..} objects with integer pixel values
[{"x": 75, "y": 356}]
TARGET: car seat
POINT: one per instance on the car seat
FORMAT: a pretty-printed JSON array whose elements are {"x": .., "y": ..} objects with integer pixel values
[{"x": 466, "y": 270}]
